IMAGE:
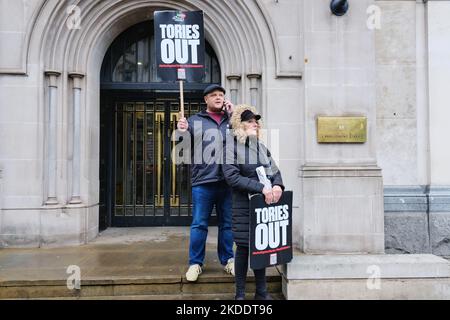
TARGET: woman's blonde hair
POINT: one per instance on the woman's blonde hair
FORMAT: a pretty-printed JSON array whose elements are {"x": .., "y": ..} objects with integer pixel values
[{"x": 239, "y": 126}]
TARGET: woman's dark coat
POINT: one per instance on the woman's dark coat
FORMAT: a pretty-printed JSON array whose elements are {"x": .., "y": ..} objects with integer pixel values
[{"x": 240, "y": 173}]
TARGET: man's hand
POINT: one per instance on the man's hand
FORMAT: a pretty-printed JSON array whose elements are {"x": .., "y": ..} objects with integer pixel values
[
  {"x": 229, "y": 107},
  {"x": 182, "y": 125},
  {"x": 277, "y": 192},
  {"x": 268, "y": 195}
]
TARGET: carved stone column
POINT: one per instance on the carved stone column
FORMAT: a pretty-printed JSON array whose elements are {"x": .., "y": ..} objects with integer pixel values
[
  {"x": 77, "y": 79},
  {"x": 51, "y": 136}
]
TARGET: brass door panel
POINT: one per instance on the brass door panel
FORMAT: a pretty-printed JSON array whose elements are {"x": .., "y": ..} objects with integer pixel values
[{"x": 147, "y": 183}]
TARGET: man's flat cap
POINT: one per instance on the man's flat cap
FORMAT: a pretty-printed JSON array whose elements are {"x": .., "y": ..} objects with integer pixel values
[{"x": 212, "y": 88}]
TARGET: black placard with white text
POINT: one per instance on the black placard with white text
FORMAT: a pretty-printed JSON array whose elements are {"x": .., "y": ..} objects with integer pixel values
[
  {"x": 270, "y": 231},
  {"x": 180, "y": 44}
]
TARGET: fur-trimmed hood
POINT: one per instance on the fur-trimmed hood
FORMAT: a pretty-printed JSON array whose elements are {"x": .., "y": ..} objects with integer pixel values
[{"x": 236, "y": 123}]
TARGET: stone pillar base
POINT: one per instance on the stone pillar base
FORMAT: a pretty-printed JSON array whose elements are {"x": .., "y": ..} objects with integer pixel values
[
  {"x": 343, "y": 210},
  {"x": 50, "y": 227},
  {"x": 380, "y": 277},
  {"x": 75, "y": 200}
]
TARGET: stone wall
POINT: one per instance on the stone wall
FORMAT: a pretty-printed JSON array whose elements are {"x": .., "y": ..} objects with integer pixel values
[
  {"x": 314, "y": 64},
  {"x": 260, "y": 55},
  {"x": 1, "y": 198},
  {"x": 396, "y": 67},
  {"x": 417, "y": 220},
  {"x": 342, "y": 185},
  {"x": 411, "y": 121}
]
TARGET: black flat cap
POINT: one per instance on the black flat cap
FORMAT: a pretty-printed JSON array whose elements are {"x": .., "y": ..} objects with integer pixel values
[
  {"x": 212, "y": 88},
  {"x": 248, "y": 114}
]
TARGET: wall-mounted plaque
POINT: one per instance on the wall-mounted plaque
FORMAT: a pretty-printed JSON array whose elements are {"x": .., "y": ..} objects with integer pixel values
[{"x": 341, "y": 129}]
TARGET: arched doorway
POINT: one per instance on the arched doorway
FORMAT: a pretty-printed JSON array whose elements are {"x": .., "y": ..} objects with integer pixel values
[
  {"x": 139, "y": 184},
  {"x": 66, "y": 65}
]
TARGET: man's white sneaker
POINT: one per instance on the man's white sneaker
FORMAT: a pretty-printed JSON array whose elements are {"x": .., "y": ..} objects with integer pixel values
[
  {"x": 229, "y": 267},
  {"x": 193, "y": 272}
]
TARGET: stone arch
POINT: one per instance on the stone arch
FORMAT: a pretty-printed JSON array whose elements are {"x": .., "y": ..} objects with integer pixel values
[
  {"x": 235, "y": 30},
  {"x": 239, "y": 32},
  {"x": 231, "y": 27}
]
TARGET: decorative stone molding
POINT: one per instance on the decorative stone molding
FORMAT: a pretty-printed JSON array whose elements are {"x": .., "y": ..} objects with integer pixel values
[
  {"x": 439, "y": 198},
  {"x": 417, "y": 199},
  {"x": 255, "y": 88},
  {"x": 405, "y": 199},
  {"x": 227, "y": 25},
  {"x": 235, "y": 83},
  {"x": 77, "y": 78},
  {"x": 287, "y": 49},
  {"x": 254, "y": 77},
  {"x": 311, "y": 171},
  {"x": 52, "y": 77}
]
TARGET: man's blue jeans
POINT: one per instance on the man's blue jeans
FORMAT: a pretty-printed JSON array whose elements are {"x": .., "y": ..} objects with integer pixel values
[{"x": 204, "y": 197}]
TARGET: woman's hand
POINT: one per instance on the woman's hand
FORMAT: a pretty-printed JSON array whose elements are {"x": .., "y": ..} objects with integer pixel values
[
  {"x": 277, "y": 192},
  {"x": 268, "y": 194}
]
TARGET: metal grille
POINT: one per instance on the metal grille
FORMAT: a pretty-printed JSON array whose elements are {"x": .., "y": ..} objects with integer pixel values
[{"x": 148, "y": 183}]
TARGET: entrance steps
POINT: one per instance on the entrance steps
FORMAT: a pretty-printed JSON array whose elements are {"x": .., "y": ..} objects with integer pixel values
[
  {"x": 128, "y": 264},
  {"x": 144, "y": 288}
]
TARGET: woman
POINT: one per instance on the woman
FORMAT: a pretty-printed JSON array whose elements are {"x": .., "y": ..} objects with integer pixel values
[{"x": 244, "y": 154}]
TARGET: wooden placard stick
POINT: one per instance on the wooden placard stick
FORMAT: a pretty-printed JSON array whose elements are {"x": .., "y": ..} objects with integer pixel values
[{"x": 182, "y": 78}]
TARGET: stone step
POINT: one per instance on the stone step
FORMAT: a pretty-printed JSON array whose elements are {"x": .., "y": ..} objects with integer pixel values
[
  {"x": 126, "y": 263},
  {"x": 209, "y": 296},
  {"x": 156, "y": 287}
]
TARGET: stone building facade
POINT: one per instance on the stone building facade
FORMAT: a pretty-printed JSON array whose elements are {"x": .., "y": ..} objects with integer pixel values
[{"x": 293, "y": 59}]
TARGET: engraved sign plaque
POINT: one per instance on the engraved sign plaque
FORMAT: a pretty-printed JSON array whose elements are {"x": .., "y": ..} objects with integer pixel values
[{"x": 341, "y": 129}]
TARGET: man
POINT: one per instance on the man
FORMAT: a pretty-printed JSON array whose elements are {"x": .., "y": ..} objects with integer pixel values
[{"x": 208, "y": 131}]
